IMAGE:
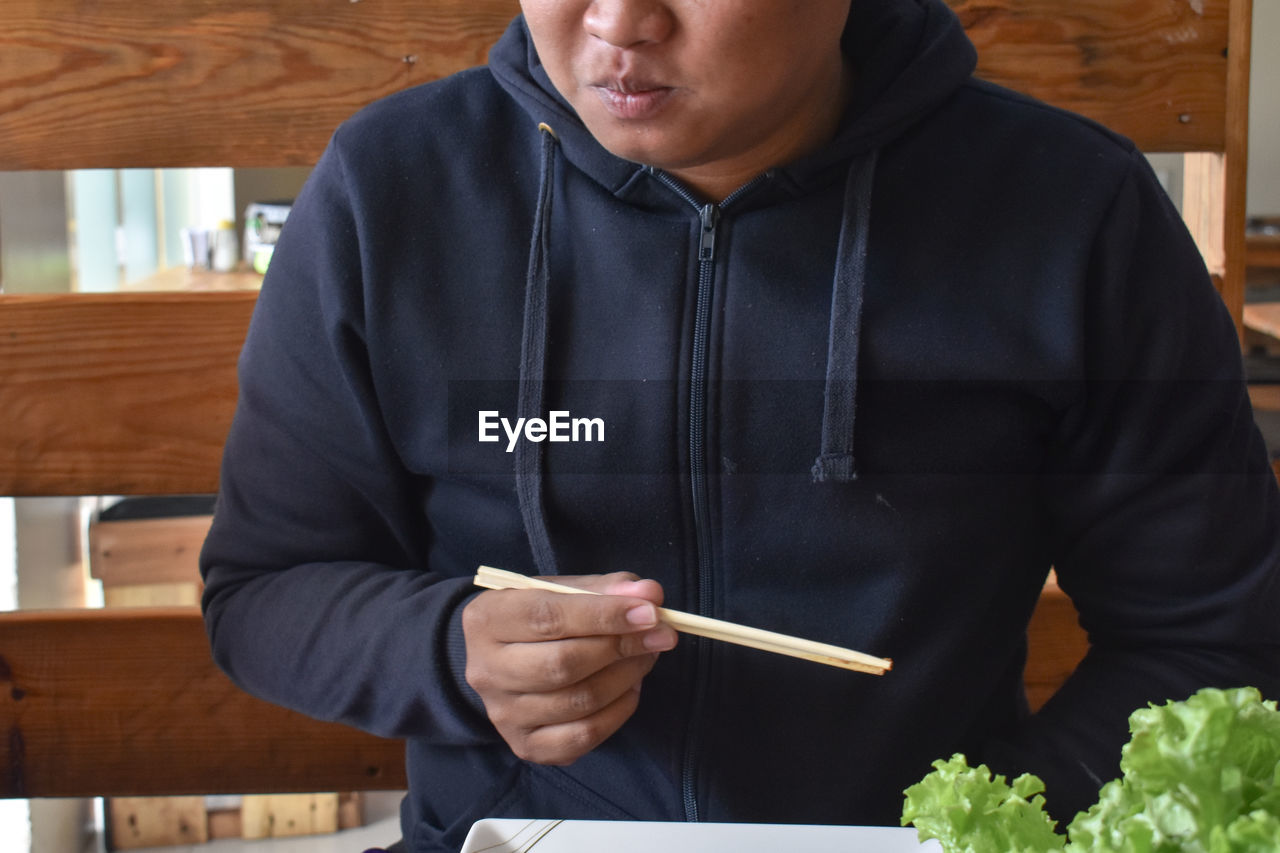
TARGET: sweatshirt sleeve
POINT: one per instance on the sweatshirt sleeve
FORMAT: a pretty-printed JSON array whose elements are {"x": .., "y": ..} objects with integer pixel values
[
  {"x": 317, "y": 594},
  {"x": 1165, "y": 507}
]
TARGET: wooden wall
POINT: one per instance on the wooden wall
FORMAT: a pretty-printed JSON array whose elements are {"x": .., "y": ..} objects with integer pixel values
[{"x": 112, "y": 83}]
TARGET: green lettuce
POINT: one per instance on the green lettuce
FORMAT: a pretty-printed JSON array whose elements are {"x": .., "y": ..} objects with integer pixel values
[
  {"x": 1198, "y": 776},
  {"x": 971, "y": 812}
]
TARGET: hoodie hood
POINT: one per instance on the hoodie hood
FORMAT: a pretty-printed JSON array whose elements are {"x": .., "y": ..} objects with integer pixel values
[{"x": 910, "y": 56}]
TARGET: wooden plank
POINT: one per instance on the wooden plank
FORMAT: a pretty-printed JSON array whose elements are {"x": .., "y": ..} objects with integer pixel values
[
  {"x": 147, "y": 550},
  {"x": 1263, "y": 317},
  {"x": 1154, "y": 70},
  {"x": 138, "y": 822},
  {"x": 225, "y": 823},
  {"x": 1236, "y": 155},
  {"x": 115, "y": 84},
  {"x": 1056, "y": 644},
  {"x": 1208, "y": 200},
  {"x": 156, "y": 716},
  {"x": 1265, "y": 396},
  {"x": 288, "y": 815},
  {"x": 134, "y": 822},
  {"x": 117, "y": 394},
  {"x": 265, "y": 82},
  {"x": 350, "y": 809},
  {"x": 195, "y": 280},
  {"x": 1204, "y": 190},
  {"x": 153, "y": 595}
]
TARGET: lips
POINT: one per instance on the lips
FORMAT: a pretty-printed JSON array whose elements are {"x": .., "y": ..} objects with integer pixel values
[{"x": 632, "y": 99}]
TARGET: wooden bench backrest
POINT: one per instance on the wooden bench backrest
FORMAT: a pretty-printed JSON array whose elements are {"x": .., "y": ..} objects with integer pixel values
[
  {"x": 133, "y": 393},
  {"x": 197, "y": 83},
  {"x": 132, "y": 704},
  {"x": 109, "y": 395}
]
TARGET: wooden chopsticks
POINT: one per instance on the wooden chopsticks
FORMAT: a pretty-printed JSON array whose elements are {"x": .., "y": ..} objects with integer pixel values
[{"x": 715, "y": 629}]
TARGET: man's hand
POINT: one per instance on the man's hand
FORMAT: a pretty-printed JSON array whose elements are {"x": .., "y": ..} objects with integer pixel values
[{"x": 560, "y": 673}]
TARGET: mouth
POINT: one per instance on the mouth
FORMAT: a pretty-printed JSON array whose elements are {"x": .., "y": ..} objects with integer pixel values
[{"x": 631, "y": 99}]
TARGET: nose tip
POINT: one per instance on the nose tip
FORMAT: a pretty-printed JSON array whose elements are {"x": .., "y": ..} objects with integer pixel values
[{"x": 628, "y": 23}]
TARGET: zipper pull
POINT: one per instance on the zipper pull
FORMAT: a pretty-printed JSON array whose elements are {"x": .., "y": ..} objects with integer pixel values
[{"x": 709, "y": 215}]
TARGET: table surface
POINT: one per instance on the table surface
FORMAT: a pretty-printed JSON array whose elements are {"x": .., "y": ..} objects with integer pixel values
[{"x": 186, "y": 279}]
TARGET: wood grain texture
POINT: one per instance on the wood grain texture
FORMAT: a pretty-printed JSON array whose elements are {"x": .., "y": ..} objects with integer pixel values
[
  {"x": 288, "y": 815},
  {"x": 154, "y": 715},
  {"x": 153, "y": 595},
  {"x": 134, "y": 551},
  {"x": 1236, "y": 161},
  {"x": 117, "y": 394},
  {"x": 116, "y": 84},
  {"x": 1153, "y": 70},
  {"x": 112, "y": 83},
  {"x": 138, "y": 822},
  {"x": 1204, "y": 196},
  {"x": 1207, "y": 201}
]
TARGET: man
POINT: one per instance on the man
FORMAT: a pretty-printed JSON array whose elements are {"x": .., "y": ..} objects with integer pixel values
[{"x": 870, "y": 346}]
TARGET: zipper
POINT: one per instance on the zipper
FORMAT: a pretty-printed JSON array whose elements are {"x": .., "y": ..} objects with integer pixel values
[
  {"x": 709, "y": 218},
  {"x": 708, "y": 222}
]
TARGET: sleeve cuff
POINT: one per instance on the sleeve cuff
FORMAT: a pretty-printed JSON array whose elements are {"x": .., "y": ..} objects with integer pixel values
[{"x": 455, "y": 655}]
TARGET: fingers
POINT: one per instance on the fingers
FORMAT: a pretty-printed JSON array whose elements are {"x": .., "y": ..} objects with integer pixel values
[
  {"x": 617, "y": 583},
  {"x": 581, "y": 699},
  {"x": 528, "y": 616},
  {"x": 564, "y": 743},
  {"x": 538, "y": 667},
  {"x": 559, "y": 673}
]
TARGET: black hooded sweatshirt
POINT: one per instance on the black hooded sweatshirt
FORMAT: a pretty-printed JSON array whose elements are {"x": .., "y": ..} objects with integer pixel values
[{"x": 868, "y": 399}]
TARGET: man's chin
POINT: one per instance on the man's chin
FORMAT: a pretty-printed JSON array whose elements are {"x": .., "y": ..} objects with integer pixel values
[{"x": 640, "y": 142}]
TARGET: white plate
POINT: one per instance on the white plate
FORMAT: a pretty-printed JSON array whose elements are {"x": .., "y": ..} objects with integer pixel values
[{"x": 502, "y": 835}]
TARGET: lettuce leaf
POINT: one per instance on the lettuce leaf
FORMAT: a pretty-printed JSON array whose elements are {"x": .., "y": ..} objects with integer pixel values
[
  {"x": 1198, "y": 776},
  {"x": 971, "y": 812}
]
